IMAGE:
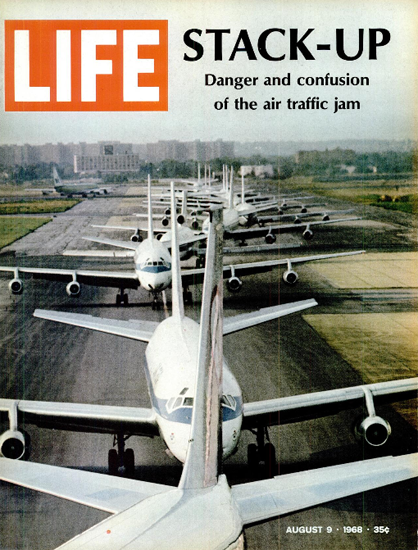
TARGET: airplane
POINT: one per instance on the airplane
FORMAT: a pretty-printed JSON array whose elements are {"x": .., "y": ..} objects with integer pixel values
[
  {"x": 82, "y": 188},
  {"x": 203, "y": 511}
]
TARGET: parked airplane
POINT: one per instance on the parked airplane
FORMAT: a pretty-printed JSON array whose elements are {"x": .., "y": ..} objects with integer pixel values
[
  {"x": 200, "y": 416},
  {"x": 83, "y": 188}
]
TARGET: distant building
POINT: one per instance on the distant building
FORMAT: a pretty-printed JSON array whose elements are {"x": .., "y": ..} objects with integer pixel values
[{"x": 258, "y": 170}]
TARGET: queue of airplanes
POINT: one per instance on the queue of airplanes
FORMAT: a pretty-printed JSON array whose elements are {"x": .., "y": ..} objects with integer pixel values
[
  {"x": 152, "y": 259},
  {"x": 197, "y": 408}
]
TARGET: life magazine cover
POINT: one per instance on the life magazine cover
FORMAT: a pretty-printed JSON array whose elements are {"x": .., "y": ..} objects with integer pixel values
[{"x": 266, "y": 403}]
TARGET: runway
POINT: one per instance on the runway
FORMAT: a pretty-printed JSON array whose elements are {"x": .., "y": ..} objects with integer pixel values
[{"x": 41, "y": 360}]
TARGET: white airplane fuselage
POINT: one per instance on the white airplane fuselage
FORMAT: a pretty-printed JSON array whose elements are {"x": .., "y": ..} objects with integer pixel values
[
  {"x": 153, "y": 265},
  {"x": 171, "y": 366}
]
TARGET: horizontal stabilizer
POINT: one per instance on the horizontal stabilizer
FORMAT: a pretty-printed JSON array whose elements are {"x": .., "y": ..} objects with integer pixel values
[
  {"x": 108, "y": 493},
  {"x": 245, "y": 320},
  {"x": 261, "y": 500},
  {"x": 136, "y": 330}
]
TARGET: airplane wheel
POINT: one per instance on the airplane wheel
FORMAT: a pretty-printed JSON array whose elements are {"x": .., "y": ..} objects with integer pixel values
[
  {"x": 118, "y": 299},
  {"x": 270, "y": 458},
  {"x": 252, "y": 456},
  {"x": 125, "y": 299},
  {"x": 129, "y": 461},
  {"x": 113, "y": 462}
]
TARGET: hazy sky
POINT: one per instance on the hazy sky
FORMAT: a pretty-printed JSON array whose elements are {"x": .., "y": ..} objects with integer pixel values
[{"x": 388, "y": 106}]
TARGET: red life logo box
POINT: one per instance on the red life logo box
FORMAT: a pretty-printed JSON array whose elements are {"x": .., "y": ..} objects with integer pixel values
[{"x": 86, "y": 65}]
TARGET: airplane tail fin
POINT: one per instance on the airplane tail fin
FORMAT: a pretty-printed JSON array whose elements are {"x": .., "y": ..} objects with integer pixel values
[
  {"x": 203, "y": 460},
  {"x": 231, "y": 189},
  {"x": 150, "y": 221},
  {"x": 55, "y": 176},
  {"x": 177, "y": 288}
]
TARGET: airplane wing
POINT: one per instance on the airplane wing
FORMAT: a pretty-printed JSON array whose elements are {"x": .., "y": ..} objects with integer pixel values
[
  {"x": 111, "y": 494},
  {"x": 127, "y": 279},
  {"x": 80, "y": 417},
  {"x": 260, "y": 500},
  {"x": 295, "y": 408},
  {"x": 133, "y": 329},
  {"x": 246, "y": 320},
  {"x": 248, "y": 233},
  {"x": 195, "y": 276},
  {"x": 101, "y": 253},
  {"x": 120, "y": 244}
]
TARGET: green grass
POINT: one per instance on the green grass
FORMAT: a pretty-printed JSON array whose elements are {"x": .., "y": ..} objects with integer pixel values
[
  {"x": 12, "y": 229},
  {"x": 37, "y": 207}
]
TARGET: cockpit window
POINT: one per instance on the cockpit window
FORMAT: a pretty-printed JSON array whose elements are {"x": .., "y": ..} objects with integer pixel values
[
  {"x": 188, "y": 402},
  {"x": 177, "y": 403},
  {"x": 228, "y": 401}
]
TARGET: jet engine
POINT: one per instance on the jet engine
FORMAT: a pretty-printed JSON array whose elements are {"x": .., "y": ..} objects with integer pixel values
[
  {"x": 303, "y": 210},
  {"x": 137, "y": 237},
  {"x": 308, "y": 234},
  {"x": 16, "y": 286},
  {"x": 73, "y": 289},
  {"x": 195, "y": 224},
  {"x": 159, "y": 236},
  {"x": 290, "y": 277},
  {"x": 181, "y": 219},
  {"x": 270, "y": 238},
  {"x": 165, "y": 221},
  {"x": 13, "y": 444},
  {"x": 374, "y": 430},
  {"x": 325, "y": 217},
  {"x": 297, "y": 220},
  {"x": 234, "y": 284},
  {"x": 167, "y": 212}
]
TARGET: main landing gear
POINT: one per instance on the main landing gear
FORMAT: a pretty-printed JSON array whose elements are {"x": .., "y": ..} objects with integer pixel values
[
  {"x": 262, "y": 452},
  {"x": 122, "y": 298},
  {"x": 121, "y": 457},
  {"x": 187, "y": 296}
]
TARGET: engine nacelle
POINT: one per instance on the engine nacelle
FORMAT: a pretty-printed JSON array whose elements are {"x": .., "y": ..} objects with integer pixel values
[
  {"x": 297, "y": 220},
  {"x": 325, "y": 217},
  {"x": 159, "y": 236},
  {"x": 270, "y": 238},
  {"x": 16, "y": 286},
  {"x": 12, "y": 444},
  {"x": 181, "y": 219},
  {"x": 195, "y": 224},
  {"x": 165, "y": 221},
  {"x": 234, "y": 284},
  {"x": 290, "y": 277},
  {"x": 374, "y": 430},
  {"x": 73, "y": 289},
  {"x": 167, "y": 211},
  {"x": 303, "y": 210},
  {"x": 137, "y": 237},
  {"x": 308, "y": 234}
]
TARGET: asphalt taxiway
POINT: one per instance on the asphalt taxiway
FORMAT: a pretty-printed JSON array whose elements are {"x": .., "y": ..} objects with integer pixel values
[{"x": 42, "y": 360}]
